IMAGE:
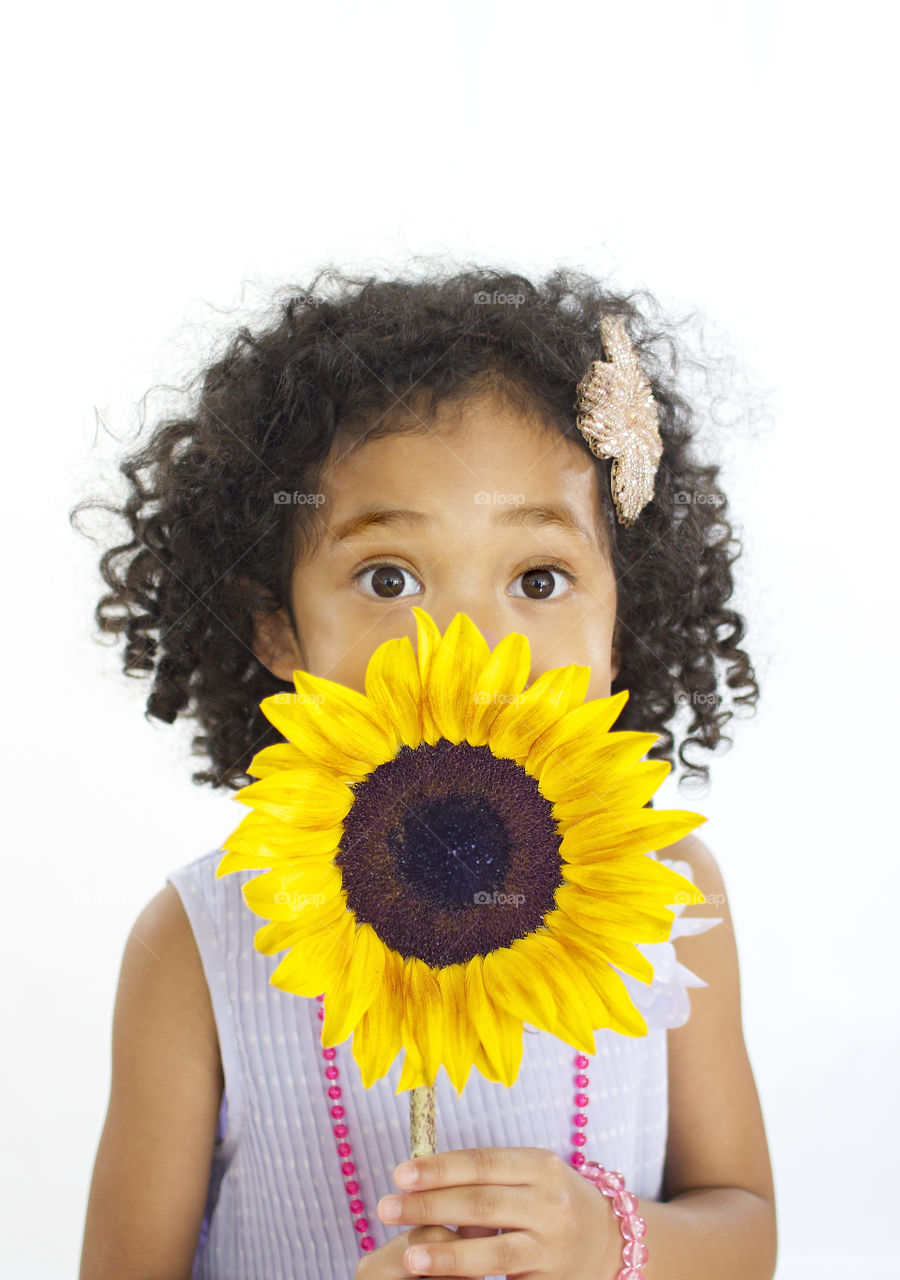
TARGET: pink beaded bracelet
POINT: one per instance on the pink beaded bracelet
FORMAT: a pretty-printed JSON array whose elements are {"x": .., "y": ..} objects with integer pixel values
[{"x": 633, "y": 1227}]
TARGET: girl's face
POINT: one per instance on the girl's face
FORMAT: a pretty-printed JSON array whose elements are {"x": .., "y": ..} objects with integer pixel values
[{"x": 488, "y": 513}]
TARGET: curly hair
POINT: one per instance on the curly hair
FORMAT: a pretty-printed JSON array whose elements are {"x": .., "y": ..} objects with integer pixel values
[{"x": 210, "y": 551}]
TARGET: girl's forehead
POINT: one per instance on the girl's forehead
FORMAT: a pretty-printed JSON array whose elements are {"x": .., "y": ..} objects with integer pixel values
[
  {"x": 451, "y": 505},
  {"x": 485, "y": 453}
]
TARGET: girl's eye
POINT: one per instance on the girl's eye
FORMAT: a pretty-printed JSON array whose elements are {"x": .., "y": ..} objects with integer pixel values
[
  {"x": 387, "y": 580},
  {"x": 538, "y": 582},
  {"x": 391, "y": 582}
]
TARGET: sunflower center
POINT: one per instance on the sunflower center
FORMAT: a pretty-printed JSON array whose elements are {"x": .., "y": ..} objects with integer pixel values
[
  {"x": 450, "y": 852},
  {"x": 452, "y": 849}
]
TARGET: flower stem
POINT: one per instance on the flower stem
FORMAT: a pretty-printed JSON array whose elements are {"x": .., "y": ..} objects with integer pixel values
[{"x": 422, "y": 1136}]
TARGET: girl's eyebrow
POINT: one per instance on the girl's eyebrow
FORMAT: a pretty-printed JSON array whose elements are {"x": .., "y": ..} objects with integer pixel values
[{"x": 535, "y": 515}]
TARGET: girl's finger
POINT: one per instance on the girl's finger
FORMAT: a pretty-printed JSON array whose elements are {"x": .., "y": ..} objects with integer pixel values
[
  {"x": 478, "y": 1257},
  {"x": 424, "y": 1235},
  {"x": 509, "y": 1206}
]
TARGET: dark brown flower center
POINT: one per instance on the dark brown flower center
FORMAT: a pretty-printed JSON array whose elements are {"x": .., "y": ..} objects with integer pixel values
[{"x": 449, "y": 852}]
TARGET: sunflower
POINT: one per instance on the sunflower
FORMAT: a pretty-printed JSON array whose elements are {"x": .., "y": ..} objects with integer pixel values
[{"x": 443, "y": 852}]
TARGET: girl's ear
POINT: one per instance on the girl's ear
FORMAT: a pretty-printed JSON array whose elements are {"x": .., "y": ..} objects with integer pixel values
[
  {"x": 615, "y": 662},
  {"x": 275, "y": 645}
]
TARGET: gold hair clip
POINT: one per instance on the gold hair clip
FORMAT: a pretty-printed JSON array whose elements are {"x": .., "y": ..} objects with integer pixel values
[{"x": 619, "y": 419}]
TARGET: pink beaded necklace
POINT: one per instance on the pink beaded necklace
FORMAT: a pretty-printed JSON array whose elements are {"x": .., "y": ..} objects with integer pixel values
[{"x": 345, "y": 1151}]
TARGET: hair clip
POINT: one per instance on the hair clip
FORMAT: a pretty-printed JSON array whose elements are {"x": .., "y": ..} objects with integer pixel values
[{"x": 619, "y": 419}]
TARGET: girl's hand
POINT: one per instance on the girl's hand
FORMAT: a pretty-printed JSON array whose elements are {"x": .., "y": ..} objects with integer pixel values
[
  {"x": 386, "y": 1262},
  {"x": 553, "y": 1222}
]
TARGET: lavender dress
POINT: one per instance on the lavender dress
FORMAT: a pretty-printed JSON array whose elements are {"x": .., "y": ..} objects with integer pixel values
[{"x": 277, "y": 1207}]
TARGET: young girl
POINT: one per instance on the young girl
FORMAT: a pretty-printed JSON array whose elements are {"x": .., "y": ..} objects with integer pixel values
[{"x": 431, "y": 442}]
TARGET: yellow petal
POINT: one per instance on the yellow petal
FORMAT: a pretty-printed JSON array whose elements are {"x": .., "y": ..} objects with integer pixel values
[
  {"x": 377, "y": 1039},
  {"x": 632, "y": 920},
  {"x": 308, "y": 968},
  {"x": 611, "y": 834},
  {"x": 584, "y": 724},
  {"x": 243, "y": 862},
  {"x": 274, "y": 937},
  {"x": 421, "y": 1019},
  {"x": 583, "y": 771},
  {"x": 499, "y": 1032},
  {"x": 512, "y": 979},
  {"x": 354, "y": 985},
  {"x": 517, "y": 725},
  {"x": 333, "y": 725},
  {"x": 311, "y": 796},
  {"x": 460, "y": 1038},
  {"x": 483, "y": 1064},
  {"x": 499, "y": 684},
  {"x": 260, "y": 836},
  {"x": 637, "y": 787},
  {"x": 574, "y": 1022},
  {"x": 281, "y": 755},
  {"x": 612, "y": 1005},
  {"x": 631, "y": 878},
  {"x": 289, "y": 891},
  {"x": 428, "y": 638},
  {"x": 412, "y": 1074},
  {"x": 456, "y": 663},
  {"x": 395, "y": 690},
  {"x": 568, "y": 924}
]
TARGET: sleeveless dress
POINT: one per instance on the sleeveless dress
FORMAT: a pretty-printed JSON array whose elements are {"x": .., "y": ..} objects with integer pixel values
[{"x": 277, "y": 1207}]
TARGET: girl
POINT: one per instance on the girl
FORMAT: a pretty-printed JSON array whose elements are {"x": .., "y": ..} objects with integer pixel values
[{"x": 378, "y": 445}]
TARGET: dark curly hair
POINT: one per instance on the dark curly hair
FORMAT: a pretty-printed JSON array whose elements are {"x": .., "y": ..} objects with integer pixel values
[{"x": 209, "y": 548}]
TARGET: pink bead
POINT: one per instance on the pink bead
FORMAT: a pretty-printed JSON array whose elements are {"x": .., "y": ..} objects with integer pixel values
[
  {"x": 361, "y": 1224},
  {"x": 576, "y": 1158},
  {"x": 582, "y": 1081},
  {"x": 331, "y": 1073},
  {"x": 635, "y": 1254},
  {"x": 614, "y": 1180},
  {"x": 337, "y": 1113},
  {"x": 624, "y": 1204},
  {"x": 344, "y": 1150},
  {"x": 348, "y": 1168},
  {"x": 334, "y": 1091},
  {"x": 340, "y": 1131},
  {"x": 356, "y": 1206},
  {"x": 633, "y": 1227},
  {"x": 329, "y": 1053},
  {"x": 368, "y": 1243},
  {"x": 351, "y": 1188},
  {"x": 578, "y": 1139},
  {"x": 581, "y": 1099},
  {"x": 321, "y": 997},
  {"x": 581, "y": 1062},
  {"x": 321, "y": 1015},
  {"x": 629, "y": 1273},
  {"x": 580, "y": 1120}
]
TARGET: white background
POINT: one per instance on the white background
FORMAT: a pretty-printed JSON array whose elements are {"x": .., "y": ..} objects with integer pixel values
[{"x": 170, "y": 162}]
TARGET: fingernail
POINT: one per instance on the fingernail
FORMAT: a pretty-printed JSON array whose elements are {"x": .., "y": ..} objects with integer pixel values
[
  {"x": 389, "y": 1208},
  {"x": 406, "y": 1174},
  {"x": 418, "y": 1259}
]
